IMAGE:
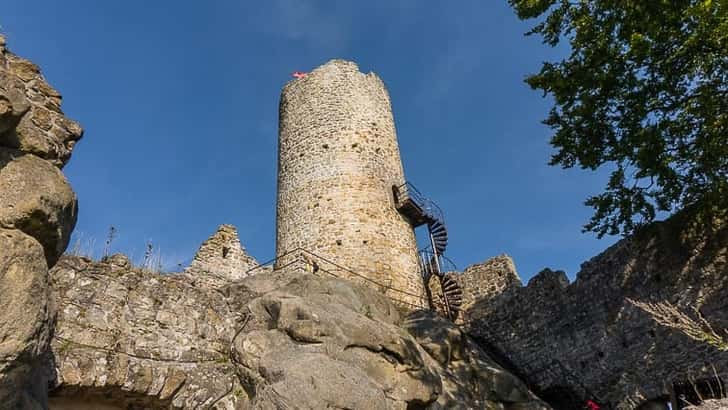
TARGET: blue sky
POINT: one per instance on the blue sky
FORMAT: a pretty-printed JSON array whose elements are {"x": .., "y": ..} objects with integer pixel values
[{"x": 179, "y": 101}]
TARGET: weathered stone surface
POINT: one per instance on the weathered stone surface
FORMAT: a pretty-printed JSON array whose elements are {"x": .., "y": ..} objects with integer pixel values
[
  {"x": 25, "y": 322},
  {"x": 221, "y": 259},
  {"x": 36, "y": 199},
  {"x": 31, "y": 119},
  {"x": 610, "y": 334},
  {"x": 37, "y": 215},
  {"x": 338, "y": 159},
  {"x": 13, "y": 104},
  {"x": 140, "y": 338},
  {"x": 483, "y": 281},
  {"x": 282, "y": 339},
  {"x": 468, "y": 374}
]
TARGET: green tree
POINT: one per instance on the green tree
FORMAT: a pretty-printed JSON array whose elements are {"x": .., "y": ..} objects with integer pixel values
[{"x": 643, "y": 92}]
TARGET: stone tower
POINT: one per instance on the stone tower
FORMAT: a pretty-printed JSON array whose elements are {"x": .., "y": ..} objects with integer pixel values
[{"x": 338, "y": 161}]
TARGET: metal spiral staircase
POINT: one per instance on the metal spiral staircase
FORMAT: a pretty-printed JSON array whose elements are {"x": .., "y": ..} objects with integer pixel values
[{"x": 420, "y": 211}]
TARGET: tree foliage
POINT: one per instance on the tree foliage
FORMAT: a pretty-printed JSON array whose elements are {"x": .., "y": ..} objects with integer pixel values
[{"x": 643, "y": 92}]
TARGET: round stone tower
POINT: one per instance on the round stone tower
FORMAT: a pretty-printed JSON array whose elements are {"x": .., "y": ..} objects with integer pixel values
[{"x": 338, "y": 160}]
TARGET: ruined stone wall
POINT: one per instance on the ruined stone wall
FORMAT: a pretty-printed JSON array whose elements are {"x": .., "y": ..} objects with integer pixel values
[
  {"x": 221, "y": 258},
  {"x": 338, "y": 160},
  {"x": 589, "y": 339},
  {"x": 485, "y": 281}
]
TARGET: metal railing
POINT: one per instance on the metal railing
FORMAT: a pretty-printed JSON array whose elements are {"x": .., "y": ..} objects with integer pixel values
[
  {"x": 316, "y": 264},
  {"x": 434, "y": 263},
  {"x": 408, "y": 191}
]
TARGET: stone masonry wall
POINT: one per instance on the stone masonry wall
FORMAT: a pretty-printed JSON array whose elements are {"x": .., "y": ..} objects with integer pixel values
[
  {"x": 221, "y": 258},
  {"x": 610, "y": 335},
  {"x": 485, "y": 281},
  {"x": 338, "y": 160}
]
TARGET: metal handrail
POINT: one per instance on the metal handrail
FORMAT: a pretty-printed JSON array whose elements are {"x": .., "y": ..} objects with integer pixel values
[
  {"x": 428, "y": 267},
  {"x": 429, "y": 207},
  {"x": 447, "y": 262},
  {"x": 300, "y": 259}
]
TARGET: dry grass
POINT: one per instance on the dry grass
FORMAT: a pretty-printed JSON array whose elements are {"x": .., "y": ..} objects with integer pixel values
[
  {"x": 88, "y": 247},
  {"x": 692, "y": 324}
]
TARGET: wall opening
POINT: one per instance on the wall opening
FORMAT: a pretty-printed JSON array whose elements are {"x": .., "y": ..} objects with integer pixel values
[
  {"x": 562, "y": 397},
  {"x": 102, "y": 398}
]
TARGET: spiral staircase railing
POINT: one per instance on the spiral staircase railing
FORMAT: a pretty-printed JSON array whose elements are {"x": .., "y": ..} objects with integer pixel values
[{"x": 420, "y": 210}]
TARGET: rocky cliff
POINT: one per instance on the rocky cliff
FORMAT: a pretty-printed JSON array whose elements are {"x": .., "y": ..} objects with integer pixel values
[{"x": 37, "y": 215}]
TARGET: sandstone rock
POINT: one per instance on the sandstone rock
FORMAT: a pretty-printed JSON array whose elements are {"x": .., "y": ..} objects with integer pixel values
[
  {"x": 13, "y": 104},
  {"x": 36, "y": 199},
  {"x": 31, "y": 119},
  {"x": 487, "y": 385},
  {"x": 345, "y": 335},
  {"x": 25, "y": 324},
  {"x": 281, "y": 339}
]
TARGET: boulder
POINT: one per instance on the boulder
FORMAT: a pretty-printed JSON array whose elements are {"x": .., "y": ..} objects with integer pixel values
[
  {"x": 36, "y": 199},
  {"x": 31, "y": 119},
  {"x": 25, "y": 324},
  {"x": 37, "y": 215}
]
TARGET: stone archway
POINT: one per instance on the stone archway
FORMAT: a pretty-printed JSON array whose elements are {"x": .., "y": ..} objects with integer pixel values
[{"x": 107, "y": 398}]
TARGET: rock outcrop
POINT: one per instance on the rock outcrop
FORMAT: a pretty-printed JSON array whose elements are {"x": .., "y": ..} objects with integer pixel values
[
  {"x": 37, "y": 215},
  {"x": 283, "y": 339},
  {"x": 31, "y": 119},
  {"x": 36, "y": 199},
  {"x": 630, "y": 328},
  {"x": 25, "y": 327}
]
